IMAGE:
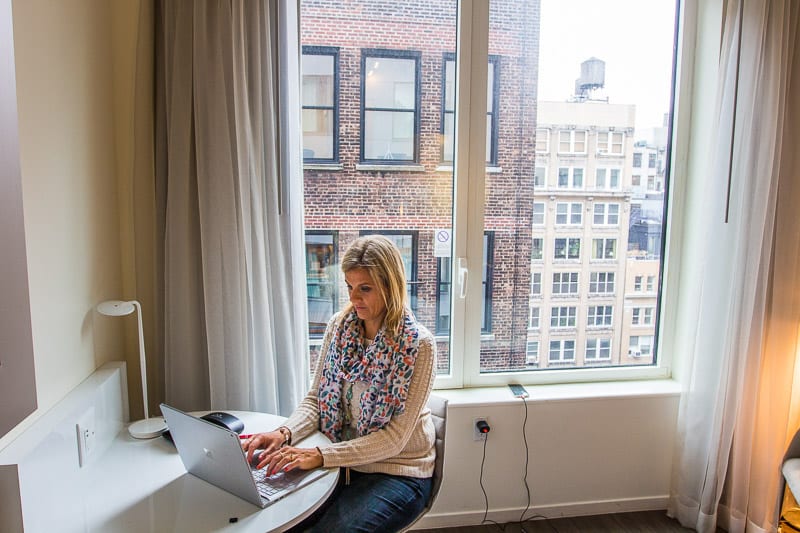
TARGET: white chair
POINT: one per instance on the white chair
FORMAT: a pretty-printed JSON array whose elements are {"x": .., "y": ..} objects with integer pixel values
[{"x": 438, "y": 407}]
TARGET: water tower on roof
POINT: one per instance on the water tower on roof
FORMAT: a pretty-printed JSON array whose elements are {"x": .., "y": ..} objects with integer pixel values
[{"x": 593, "y": 77}]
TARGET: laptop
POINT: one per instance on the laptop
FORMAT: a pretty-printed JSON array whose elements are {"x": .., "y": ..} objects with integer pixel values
[{"x": 214, "y": 454}]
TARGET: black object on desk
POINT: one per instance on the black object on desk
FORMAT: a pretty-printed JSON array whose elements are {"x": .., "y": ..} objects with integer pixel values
[{"x": 219, "y": 418}]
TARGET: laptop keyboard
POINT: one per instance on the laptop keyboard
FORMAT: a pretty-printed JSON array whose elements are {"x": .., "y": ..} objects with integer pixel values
[{"x": 268, "y": 486}]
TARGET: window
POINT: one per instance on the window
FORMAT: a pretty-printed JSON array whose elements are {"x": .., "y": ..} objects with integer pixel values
[
  {"x": 539, "y": 177},
  {"x": 385, "y": 101},
  {"x": 390, "y": 105},
  {"x": 637, "y": 160},
  {"x": 601, "y": 283},
  {"x": 570, "y": 178},
  {"x": 607, "y": 178},
  {"x": 537, "y": 249},
  {"x": 449, "y": 105},
  {"x": 563, "y": 317},
  {"x": 604, "y": 248},
  {"x": 637, "y": 283},
  {"x": 600, "y": 316},
  {"x": 610, "y": 142},
  {"x": 533, "y": 318},
  {"x": 321, "y": 279},
  {"x": 598, "y": 349},
  {"x": 542, "y": 140},
  {"x": 640, "y": 346},
  {"x": 532, "y": 352},
  {"x": 562, "y": 351},
  {"x": 320, "y": 103},
  {"x": 571, "y": 142},
  {"x": 565, "y": 283},
  {"x": 651, "y": 283},
  {"x": 567, "y": 248},
  {"x": 642, "y": 316},
  {"x": 606, "y": 214},
  {"x": 538, "y": 214},
  {"x": 651, "y": 160},
  {"x": 444, "y": 288},
  {"x": 569, "y": 214},
  {"x": 536, "y": 284},
  {"x": 636, "y": 180}
]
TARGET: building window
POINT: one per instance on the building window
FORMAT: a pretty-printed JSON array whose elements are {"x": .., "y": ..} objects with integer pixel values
[
  {"x": 636, "y": 180},
  {"x": 651, "y": 160},
  {"x": 321, "y": 279},
  {"x": 569, "y": 214},
  {"x": 538, "y": 214},
  {"x": 640, "y": 345},
  {"x": 565, "y": 283},
  {"x": 651, "y": 283},
  {"x": 607, "y": 178},
  {"x": 542, "y": 140},
  {"x": 601, "y": 283},
  {"x": 532, "y": 352},
  {"x": 537, "y": 249},
  {"x": 562, "y": 351},
  {"x": 637, "y": 283},
  {"x": 598, "y": 349},
  {"x": 539, "y": 177},
  {"x": 563, "y": 317},
  {"x": 572, "y": 142},
  {"x": 606, "y": 214},
  {"x": 449, "y": 106},
  {"x": 610, "y": 142},
  {"x": 637, "y": 160},
  {"x": 536, "y": 284},
  {"x": 567, "y": 248},
  {"x": 390, "y": 105},
  {"x": 320, "y": 99},
  {"x": 444, "y": 288},
  {"x": 533, "y": 318},
  {"x": 600, "y": 316},
  {"x": 604, "y": 248},
  {"x": 570, "y": 178},
  {"x": 642, "y": 316}
]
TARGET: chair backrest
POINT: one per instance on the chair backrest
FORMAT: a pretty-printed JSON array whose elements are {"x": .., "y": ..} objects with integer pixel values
[{"x": 438, "y": 407}]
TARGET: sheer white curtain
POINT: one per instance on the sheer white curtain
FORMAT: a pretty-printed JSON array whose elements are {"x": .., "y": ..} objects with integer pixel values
[
  {"x": 734, "y": 416},
  {"x": 229, "y": 203}
]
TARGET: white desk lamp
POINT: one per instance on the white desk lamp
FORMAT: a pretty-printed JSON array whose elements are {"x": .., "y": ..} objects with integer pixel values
[{"x": 149, "y": 427}]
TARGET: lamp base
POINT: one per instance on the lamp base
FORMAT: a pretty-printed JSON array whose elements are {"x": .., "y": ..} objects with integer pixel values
[{"x": 148, "y": 428}]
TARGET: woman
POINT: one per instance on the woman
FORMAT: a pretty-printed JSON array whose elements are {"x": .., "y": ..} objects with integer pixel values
[{"x": 369, "y": 395}]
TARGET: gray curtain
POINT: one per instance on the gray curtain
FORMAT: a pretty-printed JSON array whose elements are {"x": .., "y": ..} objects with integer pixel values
[{"x": 229, "y": 204}]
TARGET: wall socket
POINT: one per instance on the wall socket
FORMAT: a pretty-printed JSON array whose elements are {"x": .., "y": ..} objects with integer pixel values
[
  {"x": 477, "y": 435},
  {"x": 87, "y": 436}
]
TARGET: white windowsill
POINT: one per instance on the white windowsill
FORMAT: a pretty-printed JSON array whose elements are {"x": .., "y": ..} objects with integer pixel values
[{"x": 566, "y": 392}]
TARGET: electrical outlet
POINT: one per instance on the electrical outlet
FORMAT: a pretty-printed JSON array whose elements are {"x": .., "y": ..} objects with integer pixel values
[
  {"x": 476, "y": 434},
  {"x": 87, "y": 436}
]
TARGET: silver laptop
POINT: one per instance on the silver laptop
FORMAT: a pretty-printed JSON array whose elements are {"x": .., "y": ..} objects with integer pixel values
[{"x": 214, "y": 454}]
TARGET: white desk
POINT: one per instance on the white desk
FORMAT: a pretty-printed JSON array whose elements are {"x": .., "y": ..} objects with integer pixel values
[{"x": 141, "y": 485}]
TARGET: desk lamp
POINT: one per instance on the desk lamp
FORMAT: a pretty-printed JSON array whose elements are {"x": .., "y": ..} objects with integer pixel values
[{"x": 148, "y": 427}]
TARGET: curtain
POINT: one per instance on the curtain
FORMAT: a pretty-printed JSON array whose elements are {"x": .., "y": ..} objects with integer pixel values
[
  {"x": 734, "y": 421},
  {"x": 229, "y": 206}
]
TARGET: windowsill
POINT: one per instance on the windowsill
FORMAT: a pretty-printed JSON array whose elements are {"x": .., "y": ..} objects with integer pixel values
[
  {"x": 490, "y": 169},
  {"x": 566, "y": 392},
  {"x": 402, "y": 167},
  {"x": 323, "y": 166}
]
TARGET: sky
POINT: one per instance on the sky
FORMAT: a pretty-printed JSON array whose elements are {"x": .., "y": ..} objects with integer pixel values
[{"x": 635, "y": 39}]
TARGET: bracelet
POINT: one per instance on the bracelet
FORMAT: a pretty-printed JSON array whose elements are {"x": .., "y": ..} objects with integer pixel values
[{"x": 287, "y": 435}]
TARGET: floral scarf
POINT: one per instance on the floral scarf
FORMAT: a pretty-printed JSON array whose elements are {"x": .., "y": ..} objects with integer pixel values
[{"x": 387, "y": 366}]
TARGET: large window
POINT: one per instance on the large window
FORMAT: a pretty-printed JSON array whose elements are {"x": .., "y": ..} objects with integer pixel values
[
  {"x": 320, "y": 104},
  {"x": 503, "y": 158},
  {"x": 390, "y": 105}
]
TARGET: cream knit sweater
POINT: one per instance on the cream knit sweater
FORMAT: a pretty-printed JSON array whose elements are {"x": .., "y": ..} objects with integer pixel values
[{"x": 404, "y": 446}]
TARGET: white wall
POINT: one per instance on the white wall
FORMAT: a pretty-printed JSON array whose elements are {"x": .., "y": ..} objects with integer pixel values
[{"x": 66, "y": 131}]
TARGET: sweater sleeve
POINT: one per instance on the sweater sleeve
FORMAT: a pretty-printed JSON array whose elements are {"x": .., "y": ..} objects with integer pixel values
[{"x": 390, "y": 440}]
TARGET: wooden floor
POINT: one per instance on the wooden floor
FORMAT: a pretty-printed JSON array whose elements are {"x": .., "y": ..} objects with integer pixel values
[{"x": 639, "y": 522}]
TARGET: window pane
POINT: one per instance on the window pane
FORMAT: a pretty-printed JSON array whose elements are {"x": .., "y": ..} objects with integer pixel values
[{"x": 380, "y": 92}]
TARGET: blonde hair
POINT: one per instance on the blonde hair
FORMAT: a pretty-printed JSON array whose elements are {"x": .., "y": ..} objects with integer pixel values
[{"x": 380, "y": 257}]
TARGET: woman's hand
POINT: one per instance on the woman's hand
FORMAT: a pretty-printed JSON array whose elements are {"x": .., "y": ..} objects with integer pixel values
[
  {"x": 266, "y": 442},
  {"x": 289, "y": 458}
]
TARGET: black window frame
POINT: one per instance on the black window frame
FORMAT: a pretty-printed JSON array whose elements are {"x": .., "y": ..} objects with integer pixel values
[
  {"x": 390, "y": 54},
  {"x": 494, "y": 113},
  {"x": 326, "y": 51},
  {"x": 334, "y": 234}
]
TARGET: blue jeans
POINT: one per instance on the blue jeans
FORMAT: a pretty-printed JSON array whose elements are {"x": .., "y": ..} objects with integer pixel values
[{"x": 370, "y": 503}]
